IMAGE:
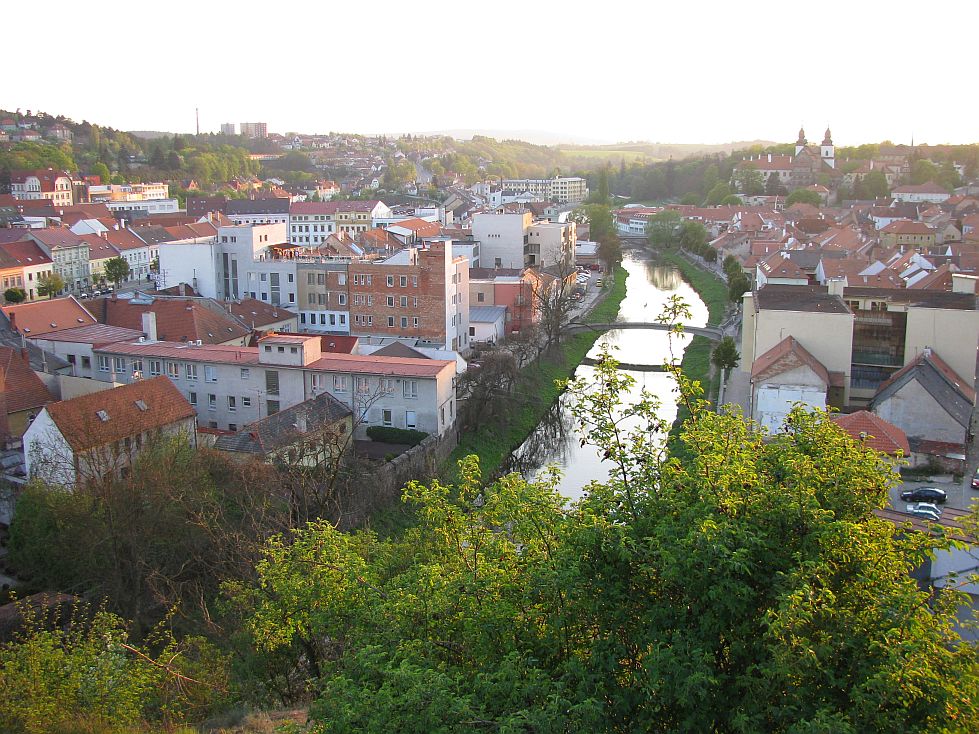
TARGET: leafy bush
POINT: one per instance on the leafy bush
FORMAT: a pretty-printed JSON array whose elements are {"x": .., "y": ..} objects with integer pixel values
[{"x": 386, "y": 434}]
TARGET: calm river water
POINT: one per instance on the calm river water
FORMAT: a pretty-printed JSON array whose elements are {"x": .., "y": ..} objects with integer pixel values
[{"x": 555, "y": 441}]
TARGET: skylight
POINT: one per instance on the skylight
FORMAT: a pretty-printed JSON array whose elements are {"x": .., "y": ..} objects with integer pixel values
[
  {"x": 103, "y": 416},
  {"x": 141, "y": 405}
]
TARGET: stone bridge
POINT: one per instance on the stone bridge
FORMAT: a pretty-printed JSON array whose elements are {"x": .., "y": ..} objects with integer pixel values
[{"x": 711, "y": 332}]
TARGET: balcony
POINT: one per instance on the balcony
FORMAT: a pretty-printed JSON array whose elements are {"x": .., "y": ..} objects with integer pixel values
[
  {"x": 876, "y": 319},
  {"x": 881, "y": 359}
]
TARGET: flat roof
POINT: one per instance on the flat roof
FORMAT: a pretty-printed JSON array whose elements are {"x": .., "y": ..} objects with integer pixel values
[{"x": 811, "y": 298}]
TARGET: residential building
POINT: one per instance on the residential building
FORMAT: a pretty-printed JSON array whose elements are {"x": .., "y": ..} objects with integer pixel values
[
  {"x": 513, "y": 289},
  {"x": 42, "y": 184},
  {"x": 516, "y": 240},
  {"x": 236, "y": 386},
  {"x": 565, "y": 190},
  {"x": 312, "y": 433},
  {"x": 69, "y": 255},
  {"x": 258, "y": 211},
  {"x": 174, "y": 319},
  {"x": 254, "y": 129},
  {"x": 917, "y": 193},
  {"x": 24, "y": 263},
  {"x": 96, "y": 436},
  {"x": 310, "y": 222},
  {"x": 100, "y": 251},
  {"x": 75, "y": 345},
  {"x": 487, "y": 324},
  {"x": 229, "y": 128},
  {"x": 905, "y": 234}
]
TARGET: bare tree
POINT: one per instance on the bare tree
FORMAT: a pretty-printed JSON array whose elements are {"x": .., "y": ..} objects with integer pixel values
[{"x": 553, "y": 299}]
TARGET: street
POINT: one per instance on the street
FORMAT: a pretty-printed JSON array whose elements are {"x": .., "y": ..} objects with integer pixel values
[{"x": 959, "y": 498}]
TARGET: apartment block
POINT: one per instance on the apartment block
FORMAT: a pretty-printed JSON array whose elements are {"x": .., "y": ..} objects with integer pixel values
[
  {"x": 231, "y": 387},
  {"x": 254, "y": 129},
  {"x": 311, "y": 222},
  {"x": 565, "y": 190},
  {"x": 516, "y": 241},
  {"x": 42, "y": 184}
]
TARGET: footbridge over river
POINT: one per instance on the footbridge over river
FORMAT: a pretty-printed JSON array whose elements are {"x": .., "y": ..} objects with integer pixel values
[{"x": 713, "y": 333}]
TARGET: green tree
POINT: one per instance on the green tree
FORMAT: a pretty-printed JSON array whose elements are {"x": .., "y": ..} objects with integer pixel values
[
  {"x": 923, "y": 171},
  {"x": 50, "y": 285},
  {"x": 737, "y": 286},
  {"x": 14, "y": 295},
  {"x": 725, "y": 355},
  {"x": 804, "y": 196},
  {"x": 601, "y": 227},
  {"x": 717, "y": 194},
  {"x": 117, "y": 270},
  {"x": 102, "y": 171},
  {"x": 663, "y": 228},
  {"x": 875, "y": 185},
  {"x": 732, "y": 200},
  {"x": 693, "y": 236},
  {"x": 749, "y": 181}
]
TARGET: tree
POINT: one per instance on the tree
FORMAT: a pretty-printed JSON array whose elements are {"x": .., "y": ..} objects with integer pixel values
[
  {"x": 749, "y": 181},
  {"x": 786, "y": 602},
  {"x": 552, "y": 300},
  {"x": 725, "y": 355},
  {"x": 117, "y": 269},
  {"x": 731, "y": 200},
  {"x": 923, "y": 171},
  {"x": 717, "y": 194},
  {"x": 804, "y": 196},
  {"x": 774, "y": 185},
  {"x": 663, "y": 228},
  {"x": 102, "y": 171},
  {"x": 14, "y": 295},
  {"x": 693, "y": 236},
  {"x": 737, "y": 286},
  {"x": 50, "y": 285},
  {"x": 601, "y": 227}
]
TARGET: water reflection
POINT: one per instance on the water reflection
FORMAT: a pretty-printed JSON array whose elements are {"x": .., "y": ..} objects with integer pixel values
[{"x": 556, "y": 440}]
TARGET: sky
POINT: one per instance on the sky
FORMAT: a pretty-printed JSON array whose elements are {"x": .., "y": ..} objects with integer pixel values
[{"x": 597, "y": 71}]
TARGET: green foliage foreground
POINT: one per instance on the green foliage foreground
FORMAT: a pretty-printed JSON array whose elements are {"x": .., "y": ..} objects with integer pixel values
[{"x": 751, "y": 589}]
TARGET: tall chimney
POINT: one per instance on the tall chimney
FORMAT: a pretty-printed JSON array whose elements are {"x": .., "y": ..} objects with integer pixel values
[
  {"x": 149, "y": 325},
  {"x": 962, "y": 283},
  {"x": 835, "y": 286}
]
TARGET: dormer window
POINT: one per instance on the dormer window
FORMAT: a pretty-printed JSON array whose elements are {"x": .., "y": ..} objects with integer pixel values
[{"x": 103, "y": 416}]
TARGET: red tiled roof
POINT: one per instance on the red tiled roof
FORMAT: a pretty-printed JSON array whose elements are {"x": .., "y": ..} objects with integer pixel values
[
  {"x": 784, "y": 356},
  {"x": 419, "y": 226},
  {"x": 45, "y": 176},
  {"x": 25, "y": 252},
  {"x": 939, "y": 364},
  {"x": 94, "y": 334},
  {"x": 257, "y": 314},
  {"x": 874, "y": 432},
  {"x": 55, "y": 237},
  {"x": 124, "y": 239},
  {"x": 925, "y": 188},
  {"x": 177, "y": 320},
  {"x": 79, "y": 422},
  {"x": 905, "y": 226},
  {"x": 338, "y": 344},
  {"x": 22, "y": 388},
  {"x": 43, "y": 317}
]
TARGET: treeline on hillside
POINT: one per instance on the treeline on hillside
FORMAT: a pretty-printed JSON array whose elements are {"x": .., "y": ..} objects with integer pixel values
[{"x": 706, "y": 179}]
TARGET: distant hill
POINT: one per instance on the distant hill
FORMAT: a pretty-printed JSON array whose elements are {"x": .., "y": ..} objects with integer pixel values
[
  {"x": 537, "y": 137},
  {"x": 659, "y": 151}
]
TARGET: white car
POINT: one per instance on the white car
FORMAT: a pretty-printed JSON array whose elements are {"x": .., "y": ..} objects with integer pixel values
[{"x": 925, "y": 510}]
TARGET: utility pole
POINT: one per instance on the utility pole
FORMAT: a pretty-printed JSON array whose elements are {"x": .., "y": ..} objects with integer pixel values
[{"x": 197, "y": 114}]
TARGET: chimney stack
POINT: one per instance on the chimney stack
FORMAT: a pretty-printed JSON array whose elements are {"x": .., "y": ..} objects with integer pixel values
[
  {"x": 149, "y": 325},
  {"x": 962, "y": 283},
  {"x": 835, "y": 286}
]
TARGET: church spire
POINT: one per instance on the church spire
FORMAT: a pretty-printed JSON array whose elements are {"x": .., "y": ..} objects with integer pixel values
[
  {"x": 827, "y": 137},
  {"x": 802, "y": 136}
]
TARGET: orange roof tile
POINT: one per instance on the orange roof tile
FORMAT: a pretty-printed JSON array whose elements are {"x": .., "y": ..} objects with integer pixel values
[
  {"x": 43, "y": 317},
  {"x": 874, "y": 432},
  {"x": 22, "y": 388}
]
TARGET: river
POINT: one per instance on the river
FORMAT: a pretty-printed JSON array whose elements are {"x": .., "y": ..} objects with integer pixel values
[{"x": 555, "y": 440}]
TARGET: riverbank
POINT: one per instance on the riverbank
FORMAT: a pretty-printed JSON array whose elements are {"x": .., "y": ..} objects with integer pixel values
[
  {"x": 713, "y": 291},
  {"x": 494, "y": 444}
]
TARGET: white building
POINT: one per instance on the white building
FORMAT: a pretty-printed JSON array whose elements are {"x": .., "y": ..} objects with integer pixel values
[
  {"x": 517, "y": 241},
  {"x": 233, "y": 386},
  {"x": 42, "y": 184},
  {"x": 566, "y": 190}
]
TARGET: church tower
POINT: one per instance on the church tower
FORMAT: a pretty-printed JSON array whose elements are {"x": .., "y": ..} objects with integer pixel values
[
  {"x": 827, "y": 151},
  {"x": 801, "y": 143}
]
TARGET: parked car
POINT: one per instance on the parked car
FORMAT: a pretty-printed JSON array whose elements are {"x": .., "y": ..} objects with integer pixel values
[
  {"x": 924, "y": 494},
  {"x": 975, "y": 481},
  {"x": 925, "y": 510},
  {"x": 599, "y": 283}
]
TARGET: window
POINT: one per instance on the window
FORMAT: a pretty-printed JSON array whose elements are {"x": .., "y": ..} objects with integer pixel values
[
  {"x": 363, "y": 385},
  {"x": 404, "y": 322},
  {"x": 390, "y": 281},
  {"x": 272, "y": 382},
  {"x": 387, "y": 417},
  {"x": 232, "y": 403},
  {"x": 411, "y": 419},
  {"x": 391, "y": 322},
  {"x": 71, "y": 359},
  {"x": 480, "y": 297},
  {"x": 173, "y": 370},
  {"x": 103, "y": 364},
  {"x": 339, "y": 383},
  {"x": 414, "y": 322},
  {"x": 192, "y": 397},
  {"x": 244, "y": 373},
  {"x": 210, "y": 373},
  {"x": 191, "y": 370},
  {"x": 87, "y": 363},
  {"x": 212, "y": 402},
  {"x": 342, "y": 299},
  {"x": 410, "y": 388},
  {"x": 233, "y": 427},
  {"x": 137, "y": 366},
  {"x": 212, "y": 424},
  {"x": 404, "y": 301},
  {"x": 404, "y": 281},
  {"x": 342, "y": 278},
  {"x": 390, "y": 301},
  {"x": 155, "y": 367},
  {"x": 246, "y": 402},
  {"x": 414, "y": 281},
  {"x": 119, "y": 364},
  {"x": 387, "y": 385},
  {"x": 271, "y": 407}
]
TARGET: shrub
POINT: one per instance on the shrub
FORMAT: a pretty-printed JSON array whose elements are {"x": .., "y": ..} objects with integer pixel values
[{"x": 386, "y": 434}]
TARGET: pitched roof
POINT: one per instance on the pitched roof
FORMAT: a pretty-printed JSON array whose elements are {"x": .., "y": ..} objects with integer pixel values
[
  {"x": 130, "y": 409},
  {"x": 257, "y": 206},
  {"x": 874, "y": 432},
  {"x": 25, "y": 253},
  {"x": 787, "y": 355},
  {"x": 124, "y": 239},
  {"x": 55, "y": 237},
  {"x": 45, "y": 176},
  {"x": 257, "y": 314},
  {"x": 905, "y": 226},
  {"x": 22, "y": 388},
  {"x": 926, "y": 188},
  {"x": 949, "y": 390},
  {"x": 43, "y": 317},
  {"x": 177, "y": 319},
  {"x": 95, "y": 334},
  {"x": 286, "y": 427},
  {"x": 486, "y": 314},
  {"x": 398, "y": 349},
  {"x": 778, "y": 266},
  {"x": 329, "y": 207},
  {"x": 811, "y": 298}
]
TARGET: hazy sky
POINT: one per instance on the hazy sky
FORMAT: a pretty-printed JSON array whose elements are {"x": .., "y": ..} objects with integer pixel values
[{"x": 604, "y": 70}]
